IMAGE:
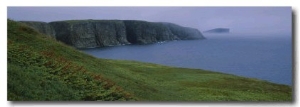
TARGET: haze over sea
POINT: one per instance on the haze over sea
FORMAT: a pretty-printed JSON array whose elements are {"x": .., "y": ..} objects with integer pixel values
[{"x": 262, "y": 56}]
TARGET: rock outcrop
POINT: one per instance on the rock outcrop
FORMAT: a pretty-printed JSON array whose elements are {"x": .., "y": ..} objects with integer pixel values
[
  {"x": 100, "y": 33},
  {"x": 89, "y": 33},
  {"x": 42, "y": 27},
  {"x": 218, "y": 30},
  {"x": 184, "y": 33},
  {"x": 142, "y": 32}
]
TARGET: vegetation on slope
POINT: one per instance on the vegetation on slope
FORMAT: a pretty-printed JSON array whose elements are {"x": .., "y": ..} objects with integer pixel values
[
  {"x": 38, "y": 70},
  {"x": 41, "y": 68}
]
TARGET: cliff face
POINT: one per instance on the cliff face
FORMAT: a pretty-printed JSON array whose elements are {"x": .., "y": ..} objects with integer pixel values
[
  {"x": 184, "y": 33},
  {"x": 100, "y": 33},
  {"x": 141, "y": 32},
  {"x": 42, "y": 27},
  {"x": 84, "y": 34}
]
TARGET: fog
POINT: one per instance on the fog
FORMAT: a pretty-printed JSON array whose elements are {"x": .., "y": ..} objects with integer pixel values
[{"x": 277, "y": 20}]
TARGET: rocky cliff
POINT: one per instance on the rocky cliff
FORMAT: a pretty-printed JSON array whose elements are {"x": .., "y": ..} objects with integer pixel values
[
  {"x": 100, "y": 33},
  {"x": 90, "y": 33},
  {"x": 142, "y": 32},
  {"x": 42, "y": 27}
]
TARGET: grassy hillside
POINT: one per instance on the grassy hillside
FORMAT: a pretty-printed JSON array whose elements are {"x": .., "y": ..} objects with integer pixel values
[{"x": 41, "y": 68}]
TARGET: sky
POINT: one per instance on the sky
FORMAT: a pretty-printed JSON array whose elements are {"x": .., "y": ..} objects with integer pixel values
[{"x": 237, "y": 19}]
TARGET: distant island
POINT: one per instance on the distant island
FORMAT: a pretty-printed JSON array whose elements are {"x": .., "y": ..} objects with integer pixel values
[{"x": 218, "y": 30}]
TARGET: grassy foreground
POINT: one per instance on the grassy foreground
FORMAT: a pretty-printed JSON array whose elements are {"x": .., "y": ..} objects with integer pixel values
[{"x": 41, "y": 68}]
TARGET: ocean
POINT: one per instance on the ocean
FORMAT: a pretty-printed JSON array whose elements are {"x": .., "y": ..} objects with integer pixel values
[{"x": 262, "y": 56}]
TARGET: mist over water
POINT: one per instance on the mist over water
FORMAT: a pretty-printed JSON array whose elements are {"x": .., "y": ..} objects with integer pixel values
[{"x": 263, "y": 56}]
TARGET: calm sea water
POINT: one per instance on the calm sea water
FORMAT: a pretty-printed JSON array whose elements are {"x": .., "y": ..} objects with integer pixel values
[{"x": 266, "y": 57}]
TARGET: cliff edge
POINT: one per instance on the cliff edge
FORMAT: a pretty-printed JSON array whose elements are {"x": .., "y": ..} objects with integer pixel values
[{"x": 101, "y": 33}]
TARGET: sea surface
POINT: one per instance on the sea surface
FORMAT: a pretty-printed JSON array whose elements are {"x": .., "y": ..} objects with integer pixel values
[{"x": 262, "y": 56}]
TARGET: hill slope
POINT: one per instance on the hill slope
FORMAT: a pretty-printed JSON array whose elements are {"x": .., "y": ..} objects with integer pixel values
[{"x": 41, "y": 68}]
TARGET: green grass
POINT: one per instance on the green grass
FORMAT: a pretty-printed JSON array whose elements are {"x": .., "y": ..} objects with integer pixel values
[{"x": 41, "y": 68}]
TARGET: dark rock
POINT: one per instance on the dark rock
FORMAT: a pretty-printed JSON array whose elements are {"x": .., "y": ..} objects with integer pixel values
[
  {"x": 100, "y": 33},
  {"x": 79, "y": 35},
  {"x": 184, "y": 33},
  {"x": 91, "y": 33},
  {"x": 42, "y": 27},
  {"x": 142, "y": 32},
  {"x": 109, "y": 33}
]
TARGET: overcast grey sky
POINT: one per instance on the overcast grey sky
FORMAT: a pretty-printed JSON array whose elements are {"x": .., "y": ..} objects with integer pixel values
[{"x": 238, "y": 19}]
